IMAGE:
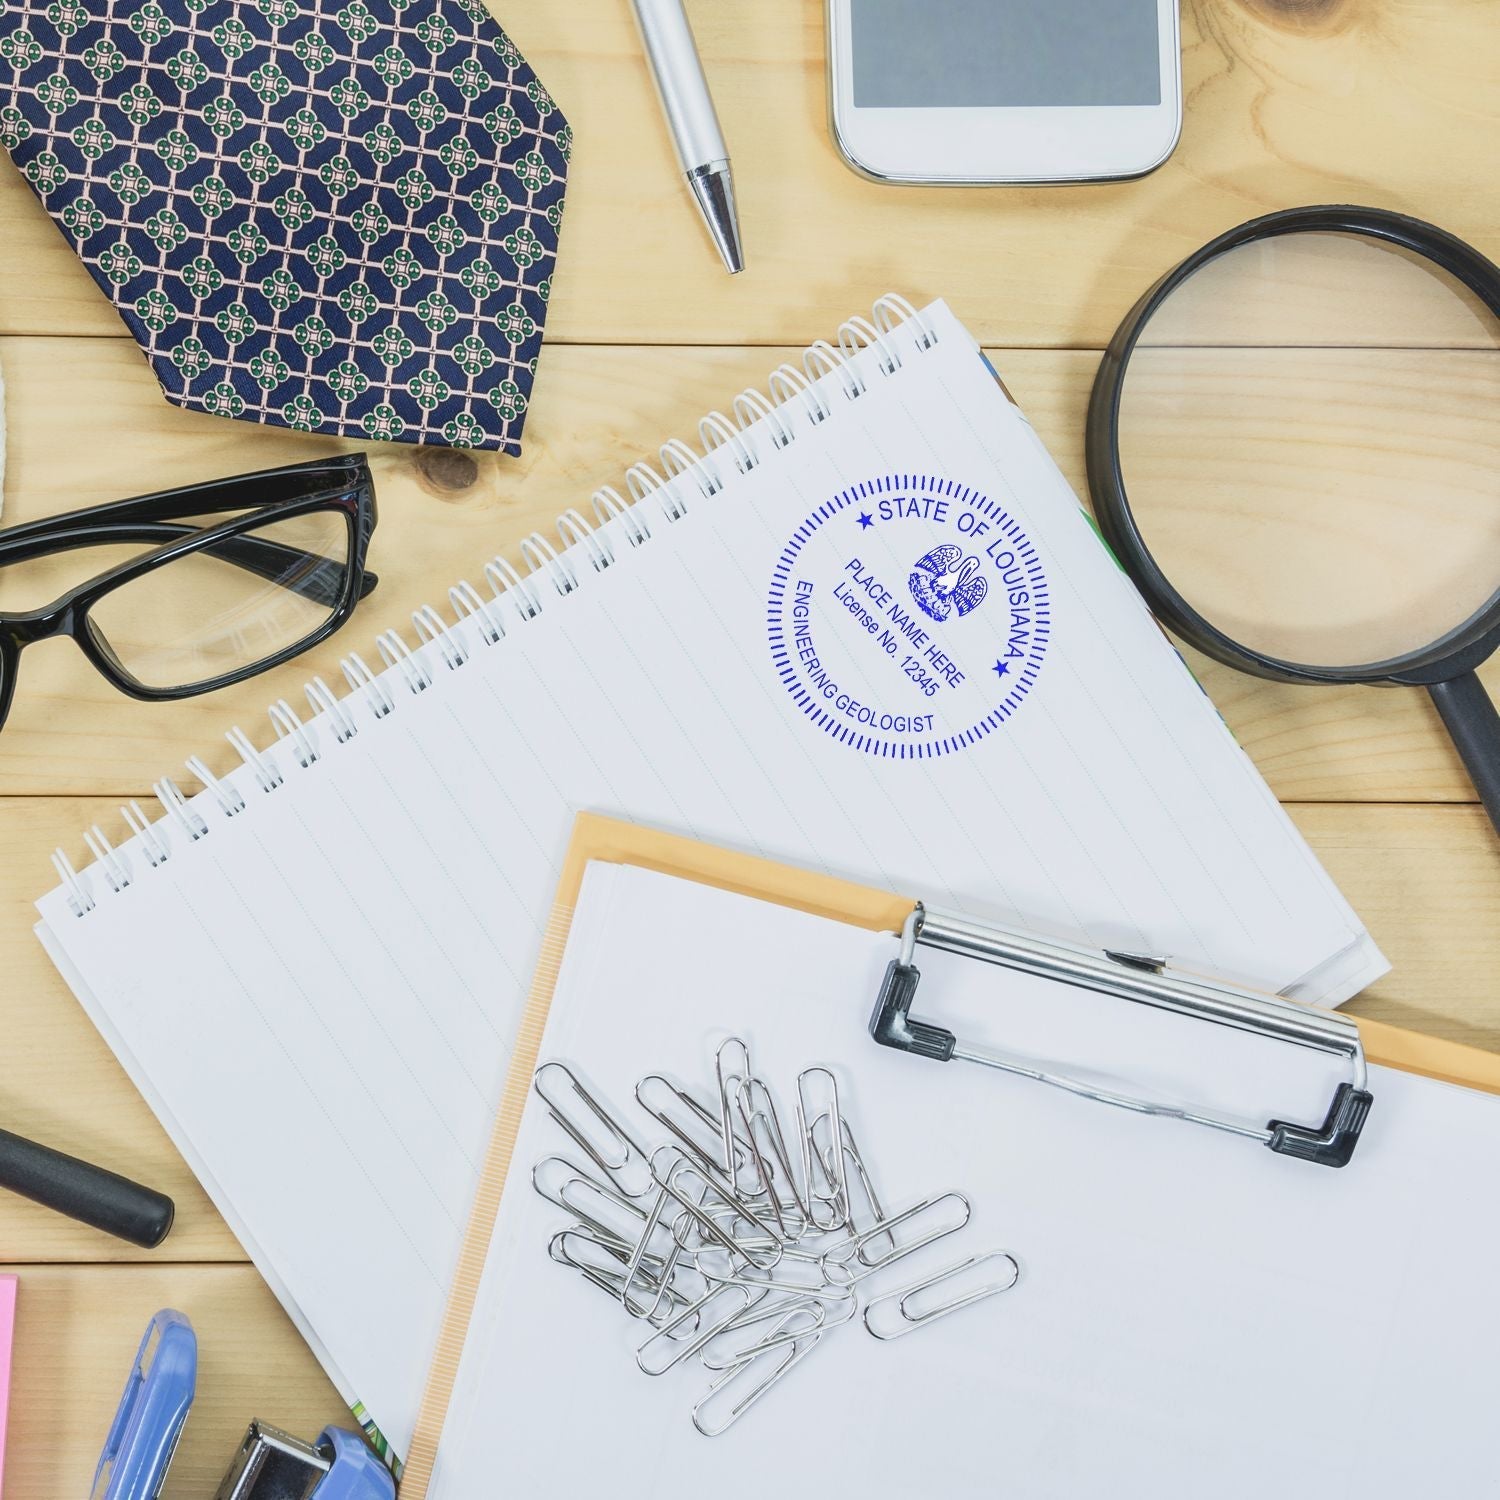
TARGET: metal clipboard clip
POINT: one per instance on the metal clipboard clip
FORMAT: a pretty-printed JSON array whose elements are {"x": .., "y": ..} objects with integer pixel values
[{"x": 1145, "y": 981}]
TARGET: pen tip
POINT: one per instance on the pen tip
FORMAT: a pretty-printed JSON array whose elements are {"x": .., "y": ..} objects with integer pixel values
[{"x": 713, "y": 187}]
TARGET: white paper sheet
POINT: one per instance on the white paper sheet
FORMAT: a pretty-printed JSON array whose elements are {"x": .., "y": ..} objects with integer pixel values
[
  {"x": 319, "y": 995},
  {"x": 1196, "y": 1316}
]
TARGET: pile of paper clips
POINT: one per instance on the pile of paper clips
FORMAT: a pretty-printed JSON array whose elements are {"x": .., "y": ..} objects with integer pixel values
[{"x": 738, "y": 1243}]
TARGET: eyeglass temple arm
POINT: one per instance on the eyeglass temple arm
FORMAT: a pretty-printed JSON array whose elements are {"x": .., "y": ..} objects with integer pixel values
[
  {"x": 268, "y": 559},
  {"x": 268, "y": 487},
  {"x": 258, "y": 491}
]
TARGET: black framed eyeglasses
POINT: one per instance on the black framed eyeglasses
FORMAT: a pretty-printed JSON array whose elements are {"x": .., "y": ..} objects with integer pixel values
[{"x": 205, "y": 605}]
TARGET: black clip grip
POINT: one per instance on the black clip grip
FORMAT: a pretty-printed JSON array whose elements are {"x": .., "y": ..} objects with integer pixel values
[
  {"x": 1333, "y": 1143},
  {"x": 891, "y": 1024}
]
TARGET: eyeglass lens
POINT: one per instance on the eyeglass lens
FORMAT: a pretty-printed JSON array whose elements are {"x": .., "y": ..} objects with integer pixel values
[
  {"x": 1310, "y": 445},
  {"x": 227, "y": 607}
]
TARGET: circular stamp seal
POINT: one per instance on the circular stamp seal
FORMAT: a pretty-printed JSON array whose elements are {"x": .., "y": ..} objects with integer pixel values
[{"x": 909, "y": 616}]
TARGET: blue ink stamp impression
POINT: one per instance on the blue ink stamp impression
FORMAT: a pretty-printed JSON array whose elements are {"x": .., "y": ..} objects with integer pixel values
[{"x": 909, "y": 616}]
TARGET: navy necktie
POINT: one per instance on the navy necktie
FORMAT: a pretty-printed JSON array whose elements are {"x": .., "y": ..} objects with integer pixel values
[{"x": 334, "y": 215}]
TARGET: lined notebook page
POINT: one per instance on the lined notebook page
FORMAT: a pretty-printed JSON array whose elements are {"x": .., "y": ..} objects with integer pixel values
[
  {"x": 1196, "y": 1315},
  {"x": 318, "y": 996}
]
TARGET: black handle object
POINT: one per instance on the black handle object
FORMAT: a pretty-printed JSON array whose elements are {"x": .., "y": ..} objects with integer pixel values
[
  {"x": 1332, "y": 1143},
  {"x": 1471, "y": 720},
  {"x": 85, "y": 1192},
  {"x": 891, "y": 1024}
]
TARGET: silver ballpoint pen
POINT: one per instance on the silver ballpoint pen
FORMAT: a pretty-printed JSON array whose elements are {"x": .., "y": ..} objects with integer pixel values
[{"x": 685, "y": 100}]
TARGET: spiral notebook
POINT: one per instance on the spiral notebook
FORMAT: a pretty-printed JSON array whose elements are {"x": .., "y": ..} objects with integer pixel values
[{"x": 864, "y": 627}]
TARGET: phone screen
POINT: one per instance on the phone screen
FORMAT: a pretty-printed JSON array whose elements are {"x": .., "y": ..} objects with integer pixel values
[{"x": 936, "y": 54}]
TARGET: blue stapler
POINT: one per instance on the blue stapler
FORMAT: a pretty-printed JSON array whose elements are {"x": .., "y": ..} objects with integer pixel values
[
  {"x": 270, "y": 1464},
  {"x": 158, "y": 1392}
]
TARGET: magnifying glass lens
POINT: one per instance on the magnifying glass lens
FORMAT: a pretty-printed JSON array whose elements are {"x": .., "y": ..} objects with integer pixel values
[{"x": 1309, "y": 435}]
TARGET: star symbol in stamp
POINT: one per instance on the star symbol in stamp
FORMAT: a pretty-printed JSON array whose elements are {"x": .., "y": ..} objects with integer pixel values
[
  {"x": 866, "y": 521},
  {"x": 1000, "y": 668}
]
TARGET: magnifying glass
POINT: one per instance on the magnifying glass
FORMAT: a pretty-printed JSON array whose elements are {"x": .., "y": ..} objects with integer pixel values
[{"x": 1293, "y": 448}]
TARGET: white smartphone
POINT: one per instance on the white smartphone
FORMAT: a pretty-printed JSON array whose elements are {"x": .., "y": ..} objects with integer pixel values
[{"x": 994, "y": 91}]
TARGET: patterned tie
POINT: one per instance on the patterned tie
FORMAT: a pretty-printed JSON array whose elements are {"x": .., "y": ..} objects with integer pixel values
[{"x": 334, "y": 215}]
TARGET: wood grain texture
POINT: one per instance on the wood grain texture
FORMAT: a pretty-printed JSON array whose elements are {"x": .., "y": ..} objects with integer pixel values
[
  {"x": 444, "y": 514},
  {"x": 1426, "y": 881},
  {"x": 76, "y": 1333},
  {"x": 1395, "y": 103}
]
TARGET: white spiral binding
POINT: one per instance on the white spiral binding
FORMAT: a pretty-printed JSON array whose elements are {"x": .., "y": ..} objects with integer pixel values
[
  {"x": 78, "y": 891},
  {"x": 169, "y": 794},
  {"x": 154, "y": 845},
  {"x": 324, "y": 701},
  {"x": 541, "y": 557},
  {"x": 467, "y": 603},
  {"x": 608, "y": 506},
  {"x": 750, "y": 406},
  {"x": 289, "y": 727},
  {"x": 860, "y": 333},
  {"x": 893, "y": 309},
  {"x": 682, "y": 462},
  {"x": 505, "y": 581},
  {"x": 793, "y": 397},
  {"x": 716, "y": 430},
  {"x": 367, "y": 684},
  {"x": 394, "y": 652},
  {"x": 576, "y": 532},
  {"x": 262, "y": 766},
  {"x": 643, "y": 481},
  {"x": 822, "y": 359},
  {"x": 788, "y": 381},
  {"x": 230, "y": 802},
  {"x": 432, "y": 627},
  {"x": 104, "y": 855}
]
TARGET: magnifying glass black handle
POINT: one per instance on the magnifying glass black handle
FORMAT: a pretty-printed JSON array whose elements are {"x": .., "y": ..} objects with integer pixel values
[
  {"x": 84, "y": 1192},
  {"x": 1475, "y": 727}
]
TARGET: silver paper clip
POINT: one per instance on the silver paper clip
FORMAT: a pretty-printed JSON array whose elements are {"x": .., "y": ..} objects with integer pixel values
[
  {"x": 731, "y": 1064},
  {"x": 782, "y": 1357},
  {"x": 854, "y": 1157},
  {"x": 726, "y": 1316},
  {"x": 747, "y": 1247},
  {"x": 588, "y": 1200},
  {"x": 846, "y": 1262},
  {"x": 699, "y": 1213},
  {"x": 707, "y": 1148},
  {"x": 786, "y": 1203},
  {"x": 600, "y": 1135},
  {"x": 810, "y": 1114},
  {"x": 817, "y": 1304},
  {"x": 597, "y": 1261},
  {"x": 905, "y": 1300}
]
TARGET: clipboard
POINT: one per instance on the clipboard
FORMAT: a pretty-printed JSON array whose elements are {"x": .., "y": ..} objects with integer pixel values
[{"x": 597, "y": 838}]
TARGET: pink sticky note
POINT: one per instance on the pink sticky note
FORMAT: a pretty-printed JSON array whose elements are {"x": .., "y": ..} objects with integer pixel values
[{"x": 8, "y": 1286}]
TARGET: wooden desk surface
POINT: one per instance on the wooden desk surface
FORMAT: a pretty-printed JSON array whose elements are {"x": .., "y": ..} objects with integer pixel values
[{"x": 1388, "y": 102}]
